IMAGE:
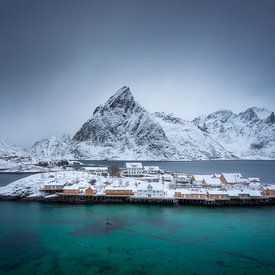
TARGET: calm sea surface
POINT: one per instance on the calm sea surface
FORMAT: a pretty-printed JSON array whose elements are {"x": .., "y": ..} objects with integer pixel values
[
  {"x": 37, "y": 238},
  {"x": 248, "y": 168},
  {"x": 6, "y": 178}
]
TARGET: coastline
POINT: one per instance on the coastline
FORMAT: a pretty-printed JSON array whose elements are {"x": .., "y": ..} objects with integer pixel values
[{"x": 102, "y": 199}]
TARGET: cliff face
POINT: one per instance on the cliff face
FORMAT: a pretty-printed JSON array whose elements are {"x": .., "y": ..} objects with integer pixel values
[{"x": 122, "y": 125}]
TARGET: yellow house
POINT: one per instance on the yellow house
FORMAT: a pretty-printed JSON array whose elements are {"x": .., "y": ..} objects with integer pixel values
[
  {"x": 217, "y": 195},
  {"x": 119, "y": 191},
  {"x": 189, "y": 194},
  {"x": 71, "y": 190},
  {"x": 269, "y": 191},
  {"x": 89, "y": 191}
]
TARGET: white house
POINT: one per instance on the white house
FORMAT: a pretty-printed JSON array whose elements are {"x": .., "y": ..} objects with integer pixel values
[
  {"x": 183, "y": 178},
  {"x": 150, "y": 190},
  {"x": 167, "y": 177},
  {"x": 134, "y": 169},
  {"x": 198, "y": 179},
  {"x": 152, "y": 169},
  {"x": 97, "y": 170}
]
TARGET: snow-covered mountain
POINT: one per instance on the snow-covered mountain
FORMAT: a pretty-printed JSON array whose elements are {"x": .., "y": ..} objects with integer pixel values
[
  {"x": 248, "y": 135},
  {"x": 11, "y": 151},
  {"x": 191, "y": 143},
  {"x": 53, "y": 148},
  {"x": 122, "y": 129},
  {"x": 11, "y": 155}
]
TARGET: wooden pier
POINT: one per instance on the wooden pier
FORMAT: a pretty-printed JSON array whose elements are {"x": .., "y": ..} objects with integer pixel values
[
  {"x": 94, "y": 199},
  {"x": 105, "y": 199}
]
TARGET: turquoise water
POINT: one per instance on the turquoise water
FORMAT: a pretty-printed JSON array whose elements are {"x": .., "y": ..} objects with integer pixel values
[{"x": 73, "y": 239}]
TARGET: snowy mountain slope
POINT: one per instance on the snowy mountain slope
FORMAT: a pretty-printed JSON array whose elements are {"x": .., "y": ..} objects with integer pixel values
[
  {"x": 53, "y": 148},
  {"x": 12, "y": 155},
  {"x": 10, "y": 151},
  {"x": 249, "y": 134},
  {"x": 122, "y": 129},
  {"x": 189, "y": 140},
  {"x": 125, "y": 130}
]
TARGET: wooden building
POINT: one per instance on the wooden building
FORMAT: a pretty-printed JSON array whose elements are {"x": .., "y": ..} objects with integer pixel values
[
  {"x": 189, "y": 194},
  {"x": 71, "y": 190},
  {"x": 53, "y": 187},
  {"x": 89, "y": 191},
  {"x": 217, "y": 195},
  {"x": 233, "y": 178},
  {"x": 269, "y": 191},
  {"x": 211, "y": 182},
  {"x": 119, "y": 191}
]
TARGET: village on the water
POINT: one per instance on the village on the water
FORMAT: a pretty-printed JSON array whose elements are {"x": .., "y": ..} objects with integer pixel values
[{"x": 150, "y": 184}]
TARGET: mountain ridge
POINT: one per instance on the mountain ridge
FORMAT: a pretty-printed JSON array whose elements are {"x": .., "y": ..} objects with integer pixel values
[{"x": 122, "y": 129}]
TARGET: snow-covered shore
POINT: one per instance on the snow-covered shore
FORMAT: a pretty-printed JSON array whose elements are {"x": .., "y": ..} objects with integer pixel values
[
  {"x": 33, "y": 185},
  {"x": 151, "y": 187}
]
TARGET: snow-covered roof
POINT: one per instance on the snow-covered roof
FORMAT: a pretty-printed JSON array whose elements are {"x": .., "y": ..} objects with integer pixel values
[
  {"x": 255, "y": 179},
  {"x": 133, "y": 165},
  {"x": 236, "y": 192},
  {"x": 71, "y": 187},
  {"x": 213, "y": 181},
  {"x": 201, "y": 177},
  {"x": 217, "y": 192},
  {"x": 95, "y": 168},
  {"x": 167, "y": 176},
  {"x": 190, "y": 191},
  {"x": 54, "y": 184},
  {"x": 116, "y": 187},
  {"x": 232, "y": 177},
  {"x": 182, "y": 176},
  {"x": 254, "y": 185},
  {"x": 151, "y": 168},
  {"x": 156, "y": 186},
  {"x": 270, "y": 187}
]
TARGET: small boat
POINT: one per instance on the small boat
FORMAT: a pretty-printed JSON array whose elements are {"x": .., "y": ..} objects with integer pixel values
[{"x": 108, "y": 224}]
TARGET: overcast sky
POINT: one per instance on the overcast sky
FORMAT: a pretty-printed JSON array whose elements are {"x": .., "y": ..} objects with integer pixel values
[{"x": 60, "y": 59}]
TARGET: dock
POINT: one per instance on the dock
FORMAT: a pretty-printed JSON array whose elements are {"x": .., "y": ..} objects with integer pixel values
[{"x": 103, "y": 199}]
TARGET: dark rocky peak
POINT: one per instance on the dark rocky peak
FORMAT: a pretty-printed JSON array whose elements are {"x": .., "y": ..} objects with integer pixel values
[
  {"x": 270, "y": 119},
  {"x": 249, "y": 114},
  {"x": 168, "y": 117},
  {"x": 122, "y": 100},
  {"x": 222, "y": 115}
]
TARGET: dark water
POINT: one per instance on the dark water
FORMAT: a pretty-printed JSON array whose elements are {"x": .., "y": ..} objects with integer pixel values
[
  {"x": 73, "y": 239},
  {"x": 249, "y": 168},
  {"x": 6, "y": 178}
]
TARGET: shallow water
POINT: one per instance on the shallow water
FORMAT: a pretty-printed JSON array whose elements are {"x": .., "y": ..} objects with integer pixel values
[{"x": 73, "y": 239}]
